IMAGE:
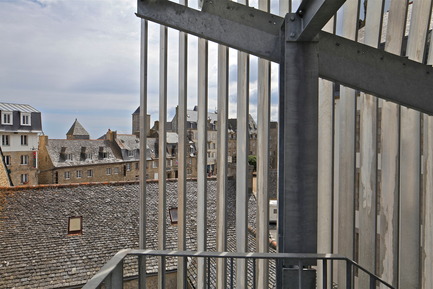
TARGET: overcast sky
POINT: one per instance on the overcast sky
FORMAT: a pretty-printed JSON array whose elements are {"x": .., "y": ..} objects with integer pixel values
[{"x": 80, "y": 59}]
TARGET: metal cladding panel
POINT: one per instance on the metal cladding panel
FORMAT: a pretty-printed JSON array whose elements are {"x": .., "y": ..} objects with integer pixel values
[{"x": 17, "y": 107}]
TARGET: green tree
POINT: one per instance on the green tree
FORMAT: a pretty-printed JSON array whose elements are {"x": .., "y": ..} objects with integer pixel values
[{"x": 252, "y": 160}]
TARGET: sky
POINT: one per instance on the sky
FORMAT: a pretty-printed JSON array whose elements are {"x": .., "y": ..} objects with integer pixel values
[{"x": 80, "y": 60}]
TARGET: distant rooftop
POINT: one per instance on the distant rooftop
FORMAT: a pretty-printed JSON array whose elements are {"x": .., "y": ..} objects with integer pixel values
[{"x": 17, "y": 107}]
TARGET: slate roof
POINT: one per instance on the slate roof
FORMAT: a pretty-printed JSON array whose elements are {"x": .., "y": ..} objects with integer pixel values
[
  {"x": 38, "y": 253},
  {"x": 76, "y": 147},
  {"x": 192, "y": 116},
  {"x": 128, "y": 141},
  {"x": 77, "y": 129},
  {"x": 17, "y": 107}
]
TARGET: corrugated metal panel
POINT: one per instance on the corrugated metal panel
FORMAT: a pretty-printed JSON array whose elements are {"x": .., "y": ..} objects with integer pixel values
[{"x": 17, "y": 107}]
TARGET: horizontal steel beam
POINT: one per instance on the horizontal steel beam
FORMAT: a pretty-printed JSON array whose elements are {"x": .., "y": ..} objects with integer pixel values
[
  {"x": 225, "y": 22},
  {"x": 314, "y": 15},
  {"x": 376, "y": 72}
]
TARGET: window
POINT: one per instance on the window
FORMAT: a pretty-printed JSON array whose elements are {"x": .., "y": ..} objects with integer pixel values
[
  {"x": 25, "y": 118},
  {"x": 69, "y": 157},
  {"x": 154, "y": 164},
  {"x": 89, "y": 173},
  {"x": 128, "y": 167},
  {"x": 79, "y": 174},
  {"x": 108, "y": 171},
  {"x": 75, "y": 225},
  {"x": 24, "y": 178},
  {"x": 24, "y": 159},
  {"x": 7, "y": 160},
  {"x": 5, "y": 140},
  {"x": 173, "y": 215},
  {"x": 137, "y": 167},
  {"x": 116, "y": 171},
  {"x": 24, "y": 140},
  {"x": 7, "y": 117},
  {"x": 130, "y": 154},
  {"x": 67, "y": 175}
]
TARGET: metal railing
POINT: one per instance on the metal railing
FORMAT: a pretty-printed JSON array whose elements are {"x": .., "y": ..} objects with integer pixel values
[{"x": 111, "y": 274}]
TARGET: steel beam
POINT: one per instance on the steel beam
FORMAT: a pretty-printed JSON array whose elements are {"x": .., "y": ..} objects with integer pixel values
[
  {"x": 315, "y": 14},
  {"x": 228, "y": 23},
  {"x": 377, "y": 72},
  {"x": 298, "y": 143}
]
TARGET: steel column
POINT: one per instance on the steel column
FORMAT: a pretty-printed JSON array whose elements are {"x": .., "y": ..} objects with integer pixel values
[{"x": 298, "y": 144}]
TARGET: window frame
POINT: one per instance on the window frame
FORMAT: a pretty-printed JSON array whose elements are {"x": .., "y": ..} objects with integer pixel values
[
  {"x": 6, "y": 140},
  {"x": 67, "y": 175},
  {"x": 24, "y": 178},
  {"x": 24, "y": 160},
  {"x": 9, "y": 114},
  {"x": 7, "y": 160},
  {"x": 90, "y": 173},
  {"x": 75, "y": 232},
  {"x": 26, "y": 119},
  {"x": 79, "y": 174},
  {"x": 24, "y": 140}
]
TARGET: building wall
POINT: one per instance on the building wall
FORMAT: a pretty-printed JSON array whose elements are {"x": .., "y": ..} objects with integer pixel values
[{"x": 112, "y": 172}]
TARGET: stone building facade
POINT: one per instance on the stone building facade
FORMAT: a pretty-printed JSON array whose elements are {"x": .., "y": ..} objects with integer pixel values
[{"x": 20, "y": 127}]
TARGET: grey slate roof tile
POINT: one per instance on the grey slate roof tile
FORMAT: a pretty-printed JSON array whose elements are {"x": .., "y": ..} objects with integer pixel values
[{"x": 38, "y": 253}]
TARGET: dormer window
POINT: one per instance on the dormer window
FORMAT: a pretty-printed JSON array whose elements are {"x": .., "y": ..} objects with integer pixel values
[
  {"x": 25, "y": 118},
  {"x": 6, "y": 117}
]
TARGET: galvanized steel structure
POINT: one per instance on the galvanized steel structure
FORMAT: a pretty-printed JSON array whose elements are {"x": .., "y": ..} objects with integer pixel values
[{"x": 358, "y": 194}]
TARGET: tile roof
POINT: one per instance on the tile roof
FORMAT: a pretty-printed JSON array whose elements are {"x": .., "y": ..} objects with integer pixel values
[
  {"x": 38, "y": 253},
  {"x": 17, "y": 107},
  {"x": 128, "y": 141},
  {"x": 77, "y": 129},
  {"x": 76, "y": 147}
]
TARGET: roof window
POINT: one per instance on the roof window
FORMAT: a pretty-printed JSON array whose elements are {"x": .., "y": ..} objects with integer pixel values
[{"x": 75, "y": 225}]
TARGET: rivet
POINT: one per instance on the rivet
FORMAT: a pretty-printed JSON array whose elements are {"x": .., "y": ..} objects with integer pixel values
[
  {"x": 292, "y": 34},
  {"x": 292, "y": 18}
]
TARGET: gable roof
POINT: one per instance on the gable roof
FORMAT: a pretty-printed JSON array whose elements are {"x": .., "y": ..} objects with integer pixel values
[
  {"x": 38, "y": 253},
  {"x": 77, "y": 130}
]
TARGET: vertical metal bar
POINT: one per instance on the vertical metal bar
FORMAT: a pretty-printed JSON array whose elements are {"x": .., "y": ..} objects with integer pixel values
[
  {"x": 389, "y": 156},
  {"x": 300, "y": 268},
  {"x": 202, "y": 159},
  {"x": 242, "y": 169},
  {"x": 368, "y": 155},
  {"x": 117, "y": 276},
  {"x": 348, "y": 275},
  {"x": 162, "y": 153},
  {"x": 372, "y": 282},
  {"x": 223, "y": 93},
  {"x": 183, "y": 151},
  {"x": 346, "y": 175},
  {"x": 143, "y": 150},
  {"x": 231, "y": 273},
  {"x": 325, "y": 274},
  {"x": 410, "y": 160},
  {"x": 254, "y": 274},
  {"x": 263, "y": 121},
  {"x": 208, "y": 273},
  {"x": 325, "y": 165},
  {"x": 427, "y": 201}
]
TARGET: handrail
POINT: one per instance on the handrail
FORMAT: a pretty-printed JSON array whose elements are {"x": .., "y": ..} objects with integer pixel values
[{"x": 116, "y": 262}]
